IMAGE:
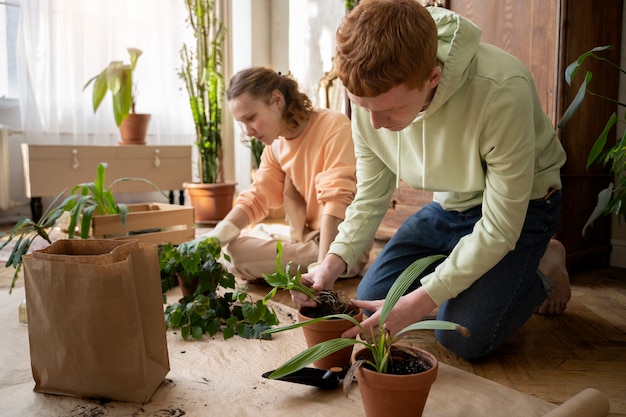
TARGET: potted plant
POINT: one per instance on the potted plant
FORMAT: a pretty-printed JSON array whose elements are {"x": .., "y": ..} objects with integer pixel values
[
  {"x": 394, "y": 380},
  {"x": 211, "y": 301},
  {"x": 85, "y": 201},
  {"x": 117, "y": 77},
  {"x": 202, "y": 71},
  {"x": 256, "y": 148},
  {"x": 328, "y": 303},
  {"x": 613, "y": 198}
]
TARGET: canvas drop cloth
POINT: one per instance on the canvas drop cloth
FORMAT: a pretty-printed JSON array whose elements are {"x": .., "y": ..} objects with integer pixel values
[{"x": 214, "y": 377}]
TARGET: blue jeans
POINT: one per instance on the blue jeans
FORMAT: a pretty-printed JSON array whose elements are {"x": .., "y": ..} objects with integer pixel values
[{"x": 498, "y": 303}]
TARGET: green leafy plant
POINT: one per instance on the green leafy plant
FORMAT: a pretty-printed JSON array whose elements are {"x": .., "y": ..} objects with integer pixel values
[
  {"x": 93, "y": 198},
  {"x": 85, "y": 201},
  {"x": 26, "y": 231},
  {"x": 605, "y": 152},
  {"x": 215, "y": 303},
  {"x": 378, "y": 344},
  {"x": 117, "y": 78},
  {"x": 202, "y": 72},
  {"x": 328, "y": 301},
  {"x": 256, "y": 147}
]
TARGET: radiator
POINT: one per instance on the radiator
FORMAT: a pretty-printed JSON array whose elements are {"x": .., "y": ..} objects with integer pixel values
[{"x": 5, "y": 183}]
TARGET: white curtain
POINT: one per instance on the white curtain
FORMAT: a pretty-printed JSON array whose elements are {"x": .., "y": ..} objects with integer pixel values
[{"x": 64, "y": 43}]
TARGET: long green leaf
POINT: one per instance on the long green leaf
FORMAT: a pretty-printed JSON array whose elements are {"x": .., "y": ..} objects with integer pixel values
[
  {"x": 600, "y": 143},
  {"x": 312, "y": 354},
  {"x": 311, "y": 321},
  {"x": 404, "y": 281},
  {"x": 576, "y": 103}
]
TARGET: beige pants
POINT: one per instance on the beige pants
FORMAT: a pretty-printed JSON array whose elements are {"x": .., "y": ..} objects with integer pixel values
[{"x": 253, "y": 253}]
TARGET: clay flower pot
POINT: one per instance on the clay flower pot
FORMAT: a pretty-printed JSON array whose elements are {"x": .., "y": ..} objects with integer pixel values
[
  {"x": 386, "y": 395},
  {"x": 326, "y": 330}
]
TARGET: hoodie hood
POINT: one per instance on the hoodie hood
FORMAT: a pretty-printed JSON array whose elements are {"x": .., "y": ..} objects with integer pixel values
[{"x": 458, "y": 43}]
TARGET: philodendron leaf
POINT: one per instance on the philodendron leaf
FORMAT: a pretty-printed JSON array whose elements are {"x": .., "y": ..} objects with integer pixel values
[
  {"x": 600, "y": 143},
  {"x": 603, "y": 199},
  {"x": 576, "y": 103}
]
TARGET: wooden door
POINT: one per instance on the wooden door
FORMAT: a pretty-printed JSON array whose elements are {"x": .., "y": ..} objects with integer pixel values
[{"x": 547, "y": 35}]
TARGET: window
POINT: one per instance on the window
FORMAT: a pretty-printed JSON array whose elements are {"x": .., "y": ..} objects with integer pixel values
[{"x": 9, "y": 13}]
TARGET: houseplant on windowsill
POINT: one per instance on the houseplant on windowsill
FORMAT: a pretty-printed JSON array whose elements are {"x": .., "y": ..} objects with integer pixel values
[
  {"x": 202, "y": 71},
  {"x": 117, "y": 78},
  {"x": 382, "y": 364},
  {"x": 211, "y": 301},
  {"x": 613, "y": 198}
]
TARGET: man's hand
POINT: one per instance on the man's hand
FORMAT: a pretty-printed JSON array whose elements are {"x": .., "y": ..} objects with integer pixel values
[{"x": 409, "y": 309}]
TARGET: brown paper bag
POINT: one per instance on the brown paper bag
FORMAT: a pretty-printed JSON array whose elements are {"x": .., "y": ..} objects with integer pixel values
[{"x": 95, "y": 319}]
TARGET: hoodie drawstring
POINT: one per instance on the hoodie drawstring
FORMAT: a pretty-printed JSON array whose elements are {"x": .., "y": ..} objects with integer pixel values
[{"x": 398, "y": 163}]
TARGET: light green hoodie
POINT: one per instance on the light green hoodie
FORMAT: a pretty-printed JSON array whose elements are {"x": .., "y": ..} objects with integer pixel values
[{"x": 484, "y": 139}]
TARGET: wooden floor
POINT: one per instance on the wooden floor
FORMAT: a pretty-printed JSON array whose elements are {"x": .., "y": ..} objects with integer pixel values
[{"x": 552, "y": 358}]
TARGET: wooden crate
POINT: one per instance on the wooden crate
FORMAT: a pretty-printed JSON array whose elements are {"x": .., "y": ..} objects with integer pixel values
[{"x": 149, "y": 223}]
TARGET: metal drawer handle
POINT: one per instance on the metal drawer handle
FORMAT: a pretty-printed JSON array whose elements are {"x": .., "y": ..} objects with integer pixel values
[
  {"x": 75, "y": 163},
  {"x": 157, "y": 160}
]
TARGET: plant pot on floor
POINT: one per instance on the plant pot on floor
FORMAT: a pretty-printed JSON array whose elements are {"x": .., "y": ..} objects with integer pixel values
[
  {"x": 393, "y": 394},
  {"x": 211, "y": 202},
  {"x": 187, "y": 287},
  {"x": 326, "y": 330},
  {"x": 134, "y": 129}
]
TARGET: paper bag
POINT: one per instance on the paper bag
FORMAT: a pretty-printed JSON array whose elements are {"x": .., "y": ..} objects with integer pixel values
[{"x": 95, "y": 319}]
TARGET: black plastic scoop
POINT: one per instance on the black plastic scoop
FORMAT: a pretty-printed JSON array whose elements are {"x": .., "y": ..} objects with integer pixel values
[{"x": 320, "y": 378}]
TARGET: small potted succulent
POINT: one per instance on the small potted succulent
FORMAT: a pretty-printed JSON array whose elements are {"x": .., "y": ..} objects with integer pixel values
[
  {"x": 117, "y": 78},
  {"x": 382, "y": 365}
]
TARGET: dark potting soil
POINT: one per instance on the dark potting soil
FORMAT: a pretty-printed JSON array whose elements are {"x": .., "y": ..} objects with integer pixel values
[
  {"x": 329, "y": 303},
  {"x": 404, "y": 362}
]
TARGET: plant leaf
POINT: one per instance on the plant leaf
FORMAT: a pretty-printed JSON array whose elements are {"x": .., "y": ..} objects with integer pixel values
[
  {"x": 604, "y": 197},
  {"x": 576, "y": 103},
  {"x": 403, "y": 282},
  {"x": 312, "y": 354}
]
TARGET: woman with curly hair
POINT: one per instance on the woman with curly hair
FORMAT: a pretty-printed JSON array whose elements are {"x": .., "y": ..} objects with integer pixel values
[{"x": 308, "y": 167}]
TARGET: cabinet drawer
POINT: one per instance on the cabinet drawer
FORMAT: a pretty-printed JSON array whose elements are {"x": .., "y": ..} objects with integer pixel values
[{"x": 51, "y": 168}]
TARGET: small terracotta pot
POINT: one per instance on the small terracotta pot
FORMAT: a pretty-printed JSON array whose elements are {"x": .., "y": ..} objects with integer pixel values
[
  {"x": 187, "y": 288},
  {"x": 327, "y": 330},
  {"x": 211, "y": 202},
  {"x": 134, "y": 129},
  {"x": 395, "y": 395}
]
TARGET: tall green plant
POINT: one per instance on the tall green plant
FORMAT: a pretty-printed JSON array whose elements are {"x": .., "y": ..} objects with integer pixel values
[
  {"x": 202, "y": 72},
  {"x": 611, "y": 199},
  {"x": 85, "y": 200}
]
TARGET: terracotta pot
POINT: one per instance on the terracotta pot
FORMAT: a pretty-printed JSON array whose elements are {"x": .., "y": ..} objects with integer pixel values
[
  {"x": 326, "y": 330},
  {"x": 395, "y": 395},
  {"x": 187, "y": 288},
  {"x": 211, "y": 202},
  {"x": 134, "y": 128}
]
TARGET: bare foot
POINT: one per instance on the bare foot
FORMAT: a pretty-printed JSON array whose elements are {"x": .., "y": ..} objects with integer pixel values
[{"x": 552, "y": 265}]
